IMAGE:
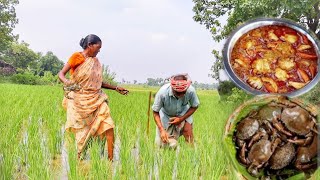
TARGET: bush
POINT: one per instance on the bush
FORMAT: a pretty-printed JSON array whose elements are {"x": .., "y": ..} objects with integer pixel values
[
  {"x": 25, "y": 78},
  {"x": 225, "y": 88},
  {"x": 238, "y": 96},
  {"x": 313, "y": 96},
  {"x": 49, "y": 78}
]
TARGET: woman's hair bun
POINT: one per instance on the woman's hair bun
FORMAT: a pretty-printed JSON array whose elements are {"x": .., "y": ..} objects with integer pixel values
[{"x": 82, "y": 44}]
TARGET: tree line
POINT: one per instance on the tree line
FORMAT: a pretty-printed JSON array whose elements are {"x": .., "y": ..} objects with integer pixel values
[
  {"x": 19, "y": 63},
  {"x": 17, "y": 60}
]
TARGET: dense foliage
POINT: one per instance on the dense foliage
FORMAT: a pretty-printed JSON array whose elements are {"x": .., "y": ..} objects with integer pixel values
[{"x": 8, "y": 20}]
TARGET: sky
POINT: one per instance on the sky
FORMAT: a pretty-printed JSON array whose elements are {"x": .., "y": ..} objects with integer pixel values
[{"x": 140, "y": 38}]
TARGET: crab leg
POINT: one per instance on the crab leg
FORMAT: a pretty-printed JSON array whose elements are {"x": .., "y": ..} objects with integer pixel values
[
  {"x": 257, "y": 136},
  {"x": 306, "y": 56},
  {"x": 313, "y": 70},
  {"x": 242, "y": 155},
  {"x": 305, "y": 155},
  {"x": 303, "y": 75},
  {"x": 275, "y": 144},
  {"x": 279, "y": 126},
  {"x": 302, "y": 142}
]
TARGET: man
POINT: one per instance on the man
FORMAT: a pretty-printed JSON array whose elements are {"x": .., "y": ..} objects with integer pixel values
[{"x": 173, "y": 107}]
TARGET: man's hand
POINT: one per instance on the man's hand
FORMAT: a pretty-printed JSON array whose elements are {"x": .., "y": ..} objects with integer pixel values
[
  {"x": 164, "y": 136},
  {"x": 175, "y": 120}
]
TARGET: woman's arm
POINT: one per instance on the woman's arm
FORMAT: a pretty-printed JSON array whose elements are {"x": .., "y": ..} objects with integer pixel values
[
  {"x": 63, "y": 72},
  {"x": 120, "y": 90},
  {"x": 108, "y": 86}
]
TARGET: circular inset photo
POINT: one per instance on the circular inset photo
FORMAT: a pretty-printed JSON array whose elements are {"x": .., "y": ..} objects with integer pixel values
[
  {"x": 273, "y": 137},
  {"x": 273, "y": 56}
]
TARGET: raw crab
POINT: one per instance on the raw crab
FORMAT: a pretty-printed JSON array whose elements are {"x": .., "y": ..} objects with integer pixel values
[
  {"x": 259, "y": 154},
  {"x": 247, "y": 128},
  {"x": 300, "y": 122},
  {"x": 282, "y": 156},
  {"x": 306, "y": 154}
]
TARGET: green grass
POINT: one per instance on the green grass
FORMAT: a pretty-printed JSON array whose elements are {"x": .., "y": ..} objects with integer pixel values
[{"x": 32, "y": 120}]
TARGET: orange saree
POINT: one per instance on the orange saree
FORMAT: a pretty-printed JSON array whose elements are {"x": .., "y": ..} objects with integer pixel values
[{"x": 88, "y": 114}]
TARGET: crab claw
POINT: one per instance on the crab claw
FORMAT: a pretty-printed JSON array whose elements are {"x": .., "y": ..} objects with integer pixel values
[
  {"x": 313, "y": 70},
  {"x": 255, "y": 82},
  {"x": 306, "y": 56},
  {"x": 270, "y": 84},
  {"x": 303, "y": 75},
  {"x": 253, "y": 170},
  {"x": 279, "y": 126}
]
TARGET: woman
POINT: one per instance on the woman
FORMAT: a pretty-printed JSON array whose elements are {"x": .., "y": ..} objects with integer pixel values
[{"x": 88, "y": 114}]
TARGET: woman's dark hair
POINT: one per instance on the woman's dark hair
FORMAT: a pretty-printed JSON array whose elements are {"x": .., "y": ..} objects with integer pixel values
[{"x": 88, "y": 40}]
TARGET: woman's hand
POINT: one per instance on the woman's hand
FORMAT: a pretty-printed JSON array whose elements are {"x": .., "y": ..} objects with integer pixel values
[
  {"x": 67, "y": 82},
  {"x": 121, "y": 90}
]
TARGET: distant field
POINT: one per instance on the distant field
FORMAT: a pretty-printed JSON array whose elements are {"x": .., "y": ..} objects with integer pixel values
[{"x": 34, "y": 145}]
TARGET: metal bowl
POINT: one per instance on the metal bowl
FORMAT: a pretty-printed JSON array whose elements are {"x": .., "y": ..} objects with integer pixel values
[{"x": 260, "y": 22}]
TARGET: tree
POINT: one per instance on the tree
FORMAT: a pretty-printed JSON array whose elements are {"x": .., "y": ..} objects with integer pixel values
[
  {"x": 49, "y": 62},
  {"x": 208, "y": 12},
  {"x": 155, "y": 82},
  {"x": 20, "y": 56},
  {"x": 8, "y": 20}
]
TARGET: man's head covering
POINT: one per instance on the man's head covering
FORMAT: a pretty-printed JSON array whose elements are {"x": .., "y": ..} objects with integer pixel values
[{"x": 180, "y": 82}]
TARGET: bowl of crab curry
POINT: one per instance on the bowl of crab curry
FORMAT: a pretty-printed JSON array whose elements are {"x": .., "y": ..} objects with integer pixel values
[{"x": 272, "y": 56}]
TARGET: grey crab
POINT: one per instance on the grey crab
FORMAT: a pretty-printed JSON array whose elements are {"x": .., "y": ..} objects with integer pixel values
[
  {"x": 299, "y": 121},
  {"x": 259, "y": 154},
  {"x": 282, "y": 156},
  {"x": 306, "y": 154}
]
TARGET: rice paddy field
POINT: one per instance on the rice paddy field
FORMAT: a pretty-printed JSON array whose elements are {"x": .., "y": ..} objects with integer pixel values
[{"x": 34, "y": 145}]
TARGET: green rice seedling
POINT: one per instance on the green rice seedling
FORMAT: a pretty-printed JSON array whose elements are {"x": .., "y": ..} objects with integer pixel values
[
  {"x": 100, "y": 166},
  {"x": 72, "y": 156},
  {"x": 37, "y": 159},
  {"x": 29, "y": 146}
]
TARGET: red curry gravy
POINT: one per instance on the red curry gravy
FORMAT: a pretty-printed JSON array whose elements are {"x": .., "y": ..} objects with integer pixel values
[{"x": 274, "y": 59}]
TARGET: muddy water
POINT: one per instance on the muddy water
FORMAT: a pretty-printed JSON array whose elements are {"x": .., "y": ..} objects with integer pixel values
[{"x": 64, "y": 160}]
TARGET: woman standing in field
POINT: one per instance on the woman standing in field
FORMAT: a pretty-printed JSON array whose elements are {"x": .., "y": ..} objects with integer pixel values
[{"x": 88, "y": 114}]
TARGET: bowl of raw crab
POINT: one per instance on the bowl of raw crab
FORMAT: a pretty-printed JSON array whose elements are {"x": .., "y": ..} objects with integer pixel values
[
  {"x": 273, "y": 137},
  {"x": 273, "y": 56}
]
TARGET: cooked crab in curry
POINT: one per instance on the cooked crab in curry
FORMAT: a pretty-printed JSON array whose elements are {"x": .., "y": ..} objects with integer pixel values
[{"x": 275, "y": 59}]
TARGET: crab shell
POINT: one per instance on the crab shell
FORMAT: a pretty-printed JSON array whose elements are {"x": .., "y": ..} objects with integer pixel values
[
  {"x": 269, "y": 112},
  {"x": 260, "y": 152},
  {"x": 282, "y": 156},
  {"x": 247, "y": 128},
  {"x": 297, "y": 120},
  {"x": 260, "y": 101},
  {"x": 172, "y": 143}
]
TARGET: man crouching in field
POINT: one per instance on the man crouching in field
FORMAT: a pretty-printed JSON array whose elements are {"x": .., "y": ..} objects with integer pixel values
[{"x": 174, "y": 104}]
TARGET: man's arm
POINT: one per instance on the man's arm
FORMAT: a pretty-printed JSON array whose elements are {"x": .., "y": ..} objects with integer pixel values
[{"x": 163, "y": 133}]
